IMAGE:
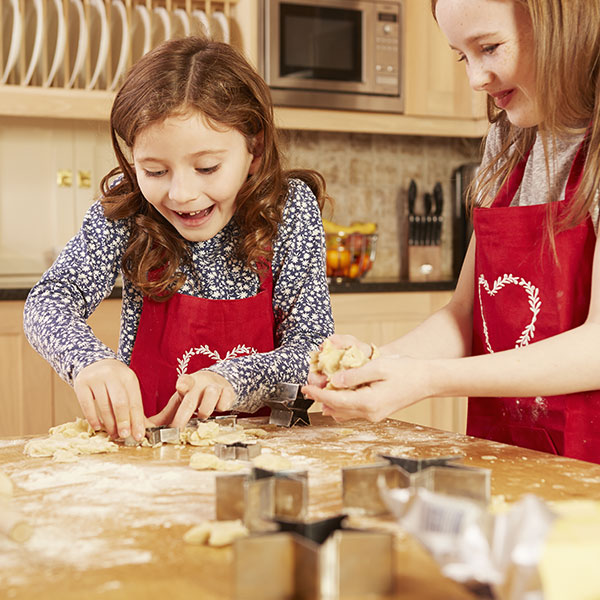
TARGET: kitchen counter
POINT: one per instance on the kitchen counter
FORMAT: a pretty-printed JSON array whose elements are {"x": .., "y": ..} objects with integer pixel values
[
  {"x": 111, "y": 526},
  {"x": 17, "y": 288}
]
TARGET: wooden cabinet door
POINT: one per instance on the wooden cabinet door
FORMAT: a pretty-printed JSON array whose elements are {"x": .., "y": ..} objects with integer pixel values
[
  {"x": 50, "y": 173},
  {"x": 435, "y": 83},
  {"x": 381, "y": 318}
]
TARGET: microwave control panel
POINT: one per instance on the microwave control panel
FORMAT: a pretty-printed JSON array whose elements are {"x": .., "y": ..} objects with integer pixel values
[{"x": 387, "y": 58}]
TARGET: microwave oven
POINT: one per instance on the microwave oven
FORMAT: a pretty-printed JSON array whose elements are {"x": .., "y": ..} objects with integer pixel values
[{"x": 339, "y": 54}]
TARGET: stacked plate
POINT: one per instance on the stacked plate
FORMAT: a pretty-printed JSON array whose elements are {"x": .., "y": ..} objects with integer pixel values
[{"x": 89, "y": 44}]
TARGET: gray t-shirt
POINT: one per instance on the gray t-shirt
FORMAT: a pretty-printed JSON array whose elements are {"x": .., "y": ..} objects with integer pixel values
[{"x": 537, "y": 187}]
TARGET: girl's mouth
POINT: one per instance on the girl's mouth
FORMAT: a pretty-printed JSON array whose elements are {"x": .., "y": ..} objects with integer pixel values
[
  {"x": 195, "y": 215},
  {"x": 503, "y": 99}
]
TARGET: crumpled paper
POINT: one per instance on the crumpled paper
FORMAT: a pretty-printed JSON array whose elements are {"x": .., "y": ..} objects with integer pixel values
[{"x": 471, "y": 545}]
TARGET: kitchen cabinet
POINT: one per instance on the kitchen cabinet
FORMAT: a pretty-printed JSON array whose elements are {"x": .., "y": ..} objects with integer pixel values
[
  {"x": 50, "y": 171},
  {"x": 381, "y": 318},
  {"x": 438, "y": 100},
  {"x": 33, "y": 397}
]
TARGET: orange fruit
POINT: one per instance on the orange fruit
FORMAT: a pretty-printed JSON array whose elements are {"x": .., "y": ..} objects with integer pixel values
[{"x": 338, "y": 259}]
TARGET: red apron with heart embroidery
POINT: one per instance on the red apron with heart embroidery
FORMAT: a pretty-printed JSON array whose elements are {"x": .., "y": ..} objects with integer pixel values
[
  {"x": 186, "y": 334},
  {"x": 522, "y": 295}
]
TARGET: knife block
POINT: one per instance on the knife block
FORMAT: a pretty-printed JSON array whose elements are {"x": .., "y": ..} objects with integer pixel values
[{"x": 424, "y": 263}]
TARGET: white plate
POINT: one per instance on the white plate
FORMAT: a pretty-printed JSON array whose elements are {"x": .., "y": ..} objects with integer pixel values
[
  {"x": 161, "y": 26},
  {"x": 56, "y": 38},
  {"x": 11, "y": 36},
  {"x": 181, "y": 24},
  {"x": 33, "y": 32},
  {"x": 199, "y": 23},
  {"x": 119, "y": 50},
  {"x": 99, "y": 40},
  {"x": 141, "y": 32},
  {"x": 78, "y": 44},
  {"x": 219, "y": 27}
]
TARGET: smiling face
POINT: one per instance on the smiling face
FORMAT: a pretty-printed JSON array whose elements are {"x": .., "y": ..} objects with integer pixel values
[
  {"x": 192, "y": 173},
  {"x": 495, "y": 40}
]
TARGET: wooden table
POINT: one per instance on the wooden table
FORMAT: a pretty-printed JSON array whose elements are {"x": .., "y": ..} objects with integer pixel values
[{"x": 110, "y": 526}]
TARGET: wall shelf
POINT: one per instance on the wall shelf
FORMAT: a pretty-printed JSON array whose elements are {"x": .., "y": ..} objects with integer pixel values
[{"x": 59, "y": 103}]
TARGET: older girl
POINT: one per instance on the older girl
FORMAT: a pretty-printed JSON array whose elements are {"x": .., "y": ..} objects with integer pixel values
[{"x": 521, "y": 335}]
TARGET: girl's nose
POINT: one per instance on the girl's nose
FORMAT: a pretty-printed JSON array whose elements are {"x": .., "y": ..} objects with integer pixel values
[
  {"x": 479, "y": 76},
  {"x": 183, "y": 187}
]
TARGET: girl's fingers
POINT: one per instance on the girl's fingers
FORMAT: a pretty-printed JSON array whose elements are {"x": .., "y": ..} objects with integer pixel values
[
  {"x": 226, "y": 399},
  {"x": 107, "y": 417},
  {"x": 120, "y": 401},
  {"x": 209, "y": 401},
  {"x": 136, "y": 409},
  {"x": 85, "y": 397},
  {"x": 167, "y": 414}
]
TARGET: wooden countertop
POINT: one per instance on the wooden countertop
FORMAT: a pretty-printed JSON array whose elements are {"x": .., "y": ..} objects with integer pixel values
[{"x": 110, "y": 526}]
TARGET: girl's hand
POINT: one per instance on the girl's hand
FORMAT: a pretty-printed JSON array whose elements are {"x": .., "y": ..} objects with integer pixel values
[
  {"x": 202, "y": 392},
  {"x": 383, "y": 386},
  {"x": 339, "y": 341},
  {"x": 109, "y": 394}
]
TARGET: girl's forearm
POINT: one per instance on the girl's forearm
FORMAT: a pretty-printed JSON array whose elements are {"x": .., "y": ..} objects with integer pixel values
[{"x": 566, "y": 363}]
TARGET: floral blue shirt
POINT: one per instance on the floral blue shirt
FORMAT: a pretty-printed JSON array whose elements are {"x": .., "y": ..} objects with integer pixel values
[{"x": 86, "y": 271}]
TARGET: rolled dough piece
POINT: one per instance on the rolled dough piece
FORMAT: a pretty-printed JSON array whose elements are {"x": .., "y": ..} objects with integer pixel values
[
  {"x": 216, "y": 533},
  {"x": 272, "y": 462},
  {"x": 68, "y": 440},
  {"x": 202, "y": 461},
  {"x": 256, "y": 433},
  {"x": 6, "y": 485},
  {"x": 13, "y": 524}
]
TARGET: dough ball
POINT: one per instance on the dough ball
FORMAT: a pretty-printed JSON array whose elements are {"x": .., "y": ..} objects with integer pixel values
[
  {"x": 202, "y": 461},
  {"x": 330, "y": 359},
  {"x": 272, "y": 462},
  {"x": 256, "y": 433},
  {"x": 6, "y": 485},
  {"x": 215, "y": 533}
]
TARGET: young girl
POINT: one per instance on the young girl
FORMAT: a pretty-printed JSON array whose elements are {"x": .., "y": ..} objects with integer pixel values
[
  {"x": 521, "y": 335},
  {"x": 220, "y": 251}
]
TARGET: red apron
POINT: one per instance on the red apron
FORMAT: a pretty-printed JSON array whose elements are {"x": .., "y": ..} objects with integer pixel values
[
  {"x": 521, "y": 296},
  {"x": 186, "y": 334}
]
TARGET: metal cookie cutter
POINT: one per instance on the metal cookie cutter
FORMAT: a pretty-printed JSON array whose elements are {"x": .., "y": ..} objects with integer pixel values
[
  {"x": 442, "y": 475},
  {"x": 223, "y": 420},
  {"x": 162, "y": 434},
  {"x": 361, "y": 484},
  {"x": 260, "y": 496},
  {"x": 318, "y": 559},
  {"x": 288, "y": 406},
  {"x": 237, "y": 450}
]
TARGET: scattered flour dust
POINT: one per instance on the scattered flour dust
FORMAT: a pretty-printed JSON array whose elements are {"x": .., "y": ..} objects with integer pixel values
[{"x": 71, "y": 506}]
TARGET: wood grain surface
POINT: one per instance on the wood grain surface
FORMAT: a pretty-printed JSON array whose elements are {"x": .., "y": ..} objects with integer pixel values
[{"x": 111, "y": 526}]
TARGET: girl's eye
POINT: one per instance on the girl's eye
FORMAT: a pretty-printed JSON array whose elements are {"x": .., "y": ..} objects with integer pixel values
[
  {"x": 154, "y": 173},
  {"x": 461, "y": 58},
  {"x": 489, "y": 49},
  {"x": 207, "y": 170}
]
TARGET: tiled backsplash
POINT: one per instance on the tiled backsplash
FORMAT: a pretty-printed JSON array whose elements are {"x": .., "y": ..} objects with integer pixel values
[{"x": 368, "y": 176}]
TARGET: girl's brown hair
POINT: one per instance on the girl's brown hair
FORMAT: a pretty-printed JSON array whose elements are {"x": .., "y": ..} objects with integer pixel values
[
  {"x": 179, "y": 76},
  {"x": 567, "y": 57}
]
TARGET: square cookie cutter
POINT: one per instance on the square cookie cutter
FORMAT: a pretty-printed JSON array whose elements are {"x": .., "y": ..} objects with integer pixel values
[
  {"x": 237, "y": 450},
  {"x": 288, "y": 406},
  {"x": 361, "y": 484},
  {"x": 258, "y": 497},
  {"x": 318, "y": 559}
]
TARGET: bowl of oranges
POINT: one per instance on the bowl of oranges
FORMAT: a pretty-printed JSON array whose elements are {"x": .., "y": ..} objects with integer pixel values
[{"x": 350, "y": 250}]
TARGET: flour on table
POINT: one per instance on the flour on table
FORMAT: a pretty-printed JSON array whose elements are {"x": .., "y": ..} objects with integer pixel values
[
  {"x": 216, "y": 533},
  {"x": 6, "y": 485},
  {"x": 68, "y": 441},
  {"x": 202, "y": 461}
]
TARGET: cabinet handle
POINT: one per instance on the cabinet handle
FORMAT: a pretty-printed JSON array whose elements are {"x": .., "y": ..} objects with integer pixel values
[
  {"x": 84, "y": 179},
  {"x": 64, "y": 178}
]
